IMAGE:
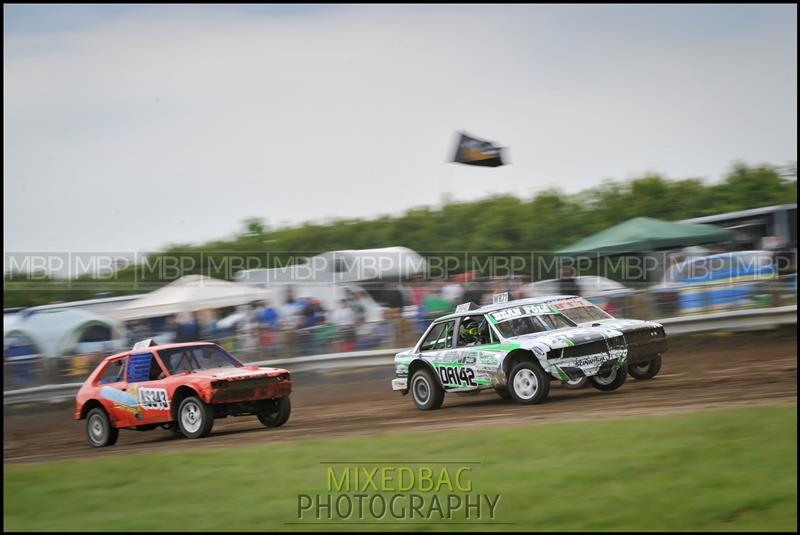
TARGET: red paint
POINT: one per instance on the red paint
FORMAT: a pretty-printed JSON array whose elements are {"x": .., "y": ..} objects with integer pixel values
[{"x": 128, "y": 407}]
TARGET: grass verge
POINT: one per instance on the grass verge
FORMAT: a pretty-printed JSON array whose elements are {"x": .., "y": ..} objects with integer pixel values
[{"x": 732, "y": 469}]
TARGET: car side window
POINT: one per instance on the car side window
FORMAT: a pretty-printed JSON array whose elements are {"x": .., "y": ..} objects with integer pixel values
[
  {"x": 143, "y": 367},
  {"x": 439, "y": 337},
  {"x": 475, "y": 331},
  {"x": 114, "y": 372}
]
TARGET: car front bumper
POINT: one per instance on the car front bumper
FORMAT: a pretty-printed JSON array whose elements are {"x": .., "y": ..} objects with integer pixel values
[{"x": 400, "y": 384}]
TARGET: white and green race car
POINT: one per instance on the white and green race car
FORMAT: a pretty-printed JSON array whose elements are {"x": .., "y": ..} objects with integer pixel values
[{"x": 515, "y": 348}]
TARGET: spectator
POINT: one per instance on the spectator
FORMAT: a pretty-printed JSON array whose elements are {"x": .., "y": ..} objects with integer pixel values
[
  {"x": 453, "y": 292},
  {"x": 418, "y": 292},
  {"x": 248, "y": 330},
  {"x": 434, "y": 304},
  {"x": 308, "y": 315},
  {"x": 268, "y": 315},
  {"x": 344, "y": 318},
  {"x": 182, "y": 328}
]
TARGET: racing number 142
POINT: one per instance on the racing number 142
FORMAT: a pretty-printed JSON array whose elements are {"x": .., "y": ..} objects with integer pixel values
[{"x": 451, "y": 375}]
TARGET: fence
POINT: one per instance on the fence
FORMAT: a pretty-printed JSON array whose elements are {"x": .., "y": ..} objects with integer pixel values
[
  {"x": 764, "y": 318},
  {"x": 399, "y": 331}
]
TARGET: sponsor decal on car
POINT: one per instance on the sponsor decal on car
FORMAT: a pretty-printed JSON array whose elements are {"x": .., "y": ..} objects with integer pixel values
[
  {"x": 519, "y": 312},
  {"x": 456, "y": 375},
  {"x": 138, "y": 398},
  {"x": 153, "y": 398}
]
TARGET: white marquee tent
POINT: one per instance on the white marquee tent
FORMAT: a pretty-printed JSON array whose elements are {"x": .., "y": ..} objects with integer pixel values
[
  {"x": 188, "y": 294},
  {"x": 54, "y": 333}
]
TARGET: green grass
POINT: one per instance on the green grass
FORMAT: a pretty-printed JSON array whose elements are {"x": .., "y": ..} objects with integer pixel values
[{"x": 729, "y": 469}]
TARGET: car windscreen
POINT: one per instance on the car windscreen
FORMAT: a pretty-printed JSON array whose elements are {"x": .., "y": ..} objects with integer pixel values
[
  {"x": 584, "y": 314},
  {"x": 530, "y": 324},
  {"x": 186, "y": 359}
]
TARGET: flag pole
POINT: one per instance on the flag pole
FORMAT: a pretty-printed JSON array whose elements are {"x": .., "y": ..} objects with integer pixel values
[
  {"x": 446, "y": 176},
  {"x": 444, "y": 183}
]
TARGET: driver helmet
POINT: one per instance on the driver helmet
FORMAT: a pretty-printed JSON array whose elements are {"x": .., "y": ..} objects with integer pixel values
[{"x": 469, "y": 330}]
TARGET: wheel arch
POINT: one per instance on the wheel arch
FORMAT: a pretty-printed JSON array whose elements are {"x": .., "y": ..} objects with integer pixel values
[
  {"x": 181, "y": 393},
  {"x": 89, "y": 405},
  {"x": 515, "y": 357},
  {"x": 421, "y": 363}
]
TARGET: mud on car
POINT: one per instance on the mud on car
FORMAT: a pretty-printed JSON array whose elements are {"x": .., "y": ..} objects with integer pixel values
[
  {"x": 180, "y": 387},
  {"x": 515, "y": 348}
]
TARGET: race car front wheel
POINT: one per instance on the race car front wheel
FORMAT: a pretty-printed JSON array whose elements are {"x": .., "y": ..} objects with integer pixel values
[
  {"x": 611, "y": 380},
  {"x": 195, "y": 418},
  {"x": 278, "y": 415},
  {"x": 426, "y": 390},
  {"x": 645, "y": 370},
  {"x": 99, "y": 429},
  {"x": 528, "y": 384}
]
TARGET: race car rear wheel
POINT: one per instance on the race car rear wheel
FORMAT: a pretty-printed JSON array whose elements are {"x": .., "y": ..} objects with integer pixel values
[
  {"x": 99, "y": 429},
  {"x": 645, "y": 370},
  {"x": 611, "y": 380},
  {"x": 278, "y": 415},
  {"x": 528, "y": 384},
  {"x": 575, "y": 384},
  {"x": 428, "y": 394},
  {"x": 503, "y": 392},
  {"x": 195, "y": 418}
]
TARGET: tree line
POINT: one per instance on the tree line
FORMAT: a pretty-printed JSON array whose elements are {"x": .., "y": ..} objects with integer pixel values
[{"x": 547, "y": 221}]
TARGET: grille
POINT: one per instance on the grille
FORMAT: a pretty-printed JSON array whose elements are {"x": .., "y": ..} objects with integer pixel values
[
  {"x": 617, "y": 342},
  {"x": 591, "y": 348},
  {"x": 246, "y": 383}
]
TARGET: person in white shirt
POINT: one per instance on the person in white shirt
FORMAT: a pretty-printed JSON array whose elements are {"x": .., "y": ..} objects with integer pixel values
[
  {"x": 344, "y": 316},
  {"x": 453, "y": 292}
]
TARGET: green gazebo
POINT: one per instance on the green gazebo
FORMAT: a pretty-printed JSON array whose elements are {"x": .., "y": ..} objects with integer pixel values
[{"x": 644, "y": 235}]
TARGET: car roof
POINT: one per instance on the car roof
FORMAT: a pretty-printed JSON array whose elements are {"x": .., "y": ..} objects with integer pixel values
[
  {"x": 499, "y": 306},
  {"x": 157, "y": 348}
]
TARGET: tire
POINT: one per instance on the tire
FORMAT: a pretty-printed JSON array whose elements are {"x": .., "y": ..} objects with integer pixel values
[
  {"x": 503, "y": 392},
  {"x": 99, "y": 430},
  {"x": 610, "y": 381},
  {"x": 426, "y": 391},
  {"x": 528, "y": 384},
  {"x": 279, "y": 415},
  {"x": 195, "y": 418},
  {"x": 576, "y": 384},
  {"x": 643, "y": 371}
]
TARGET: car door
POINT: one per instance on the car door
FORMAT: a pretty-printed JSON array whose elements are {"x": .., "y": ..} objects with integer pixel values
[
  {"x": 118, "y": 402},
  {"x": 146, "y": 382},
  {"x": 480, "y": 357},
  {"x": 438, "y": 348}
]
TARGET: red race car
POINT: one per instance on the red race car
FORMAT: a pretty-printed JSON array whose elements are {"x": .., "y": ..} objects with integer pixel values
[{"x": 182, "y": 387}]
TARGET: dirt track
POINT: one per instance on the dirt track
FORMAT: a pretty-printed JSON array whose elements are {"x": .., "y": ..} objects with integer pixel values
[{"x": 698, "y": 373}]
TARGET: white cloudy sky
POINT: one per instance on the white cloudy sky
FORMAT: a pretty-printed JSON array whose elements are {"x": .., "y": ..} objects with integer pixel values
[{"x": 127, "y": 128}]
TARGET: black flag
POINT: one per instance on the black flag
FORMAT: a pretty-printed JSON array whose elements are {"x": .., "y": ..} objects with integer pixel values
[{"x": 474, "y": 151}]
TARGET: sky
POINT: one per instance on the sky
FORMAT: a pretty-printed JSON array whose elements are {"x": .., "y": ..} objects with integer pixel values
[{"x": 127, "y": 128}]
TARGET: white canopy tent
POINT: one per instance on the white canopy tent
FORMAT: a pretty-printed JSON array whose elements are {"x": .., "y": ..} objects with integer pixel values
[
  {"x": 340, "y": 267},
  {"x": 189, "y": 294},
  {"x": 70, "y": 331}
]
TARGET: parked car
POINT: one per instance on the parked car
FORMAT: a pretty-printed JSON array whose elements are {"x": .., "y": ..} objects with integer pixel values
[
  {"x": 180, "y": 387},
  {"x": 720, "y": 281},
  {"x": 515, "y": 348},
  {"x": 603, "y": 292}
]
